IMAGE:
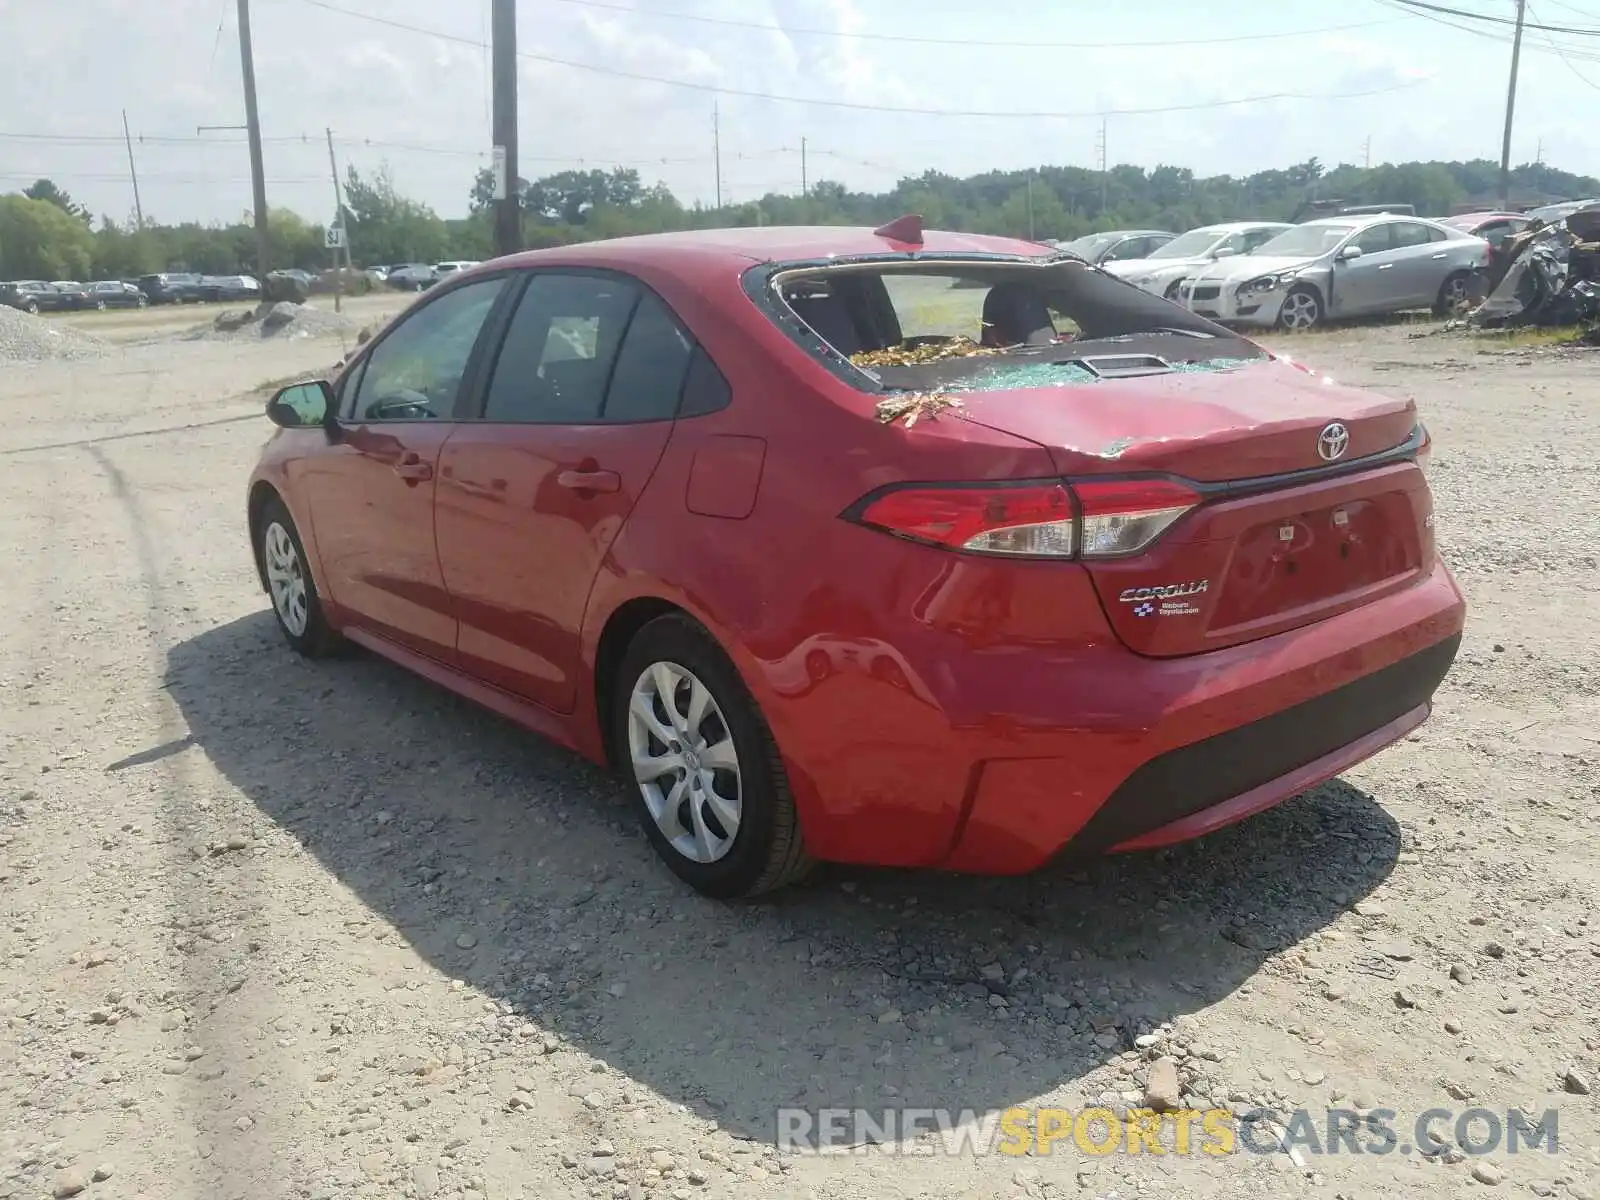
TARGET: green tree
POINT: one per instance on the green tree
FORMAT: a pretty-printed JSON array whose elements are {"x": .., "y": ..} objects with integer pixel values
[
  {"x": 40, "y": 240},
  {"x": 386, "y": 227},
  {"x": 46, "y": 190}
]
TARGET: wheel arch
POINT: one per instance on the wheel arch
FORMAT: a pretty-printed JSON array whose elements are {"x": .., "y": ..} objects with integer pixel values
[
  {"x": 262, "y": 493},
  {"x": 622, "y": 625}
]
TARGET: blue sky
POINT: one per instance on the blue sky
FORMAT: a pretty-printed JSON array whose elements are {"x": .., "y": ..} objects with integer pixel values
[{"x": 67, "y": 70}]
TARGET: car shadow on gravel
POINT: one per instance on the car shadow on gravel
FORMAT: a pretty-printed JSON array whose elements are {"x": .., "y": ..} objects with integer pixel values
[{"x": 517, "y": 867}]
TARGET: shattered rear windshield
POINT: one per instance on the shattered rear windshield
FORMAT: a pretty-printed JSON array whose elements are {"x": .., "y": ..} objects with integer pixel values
[{"x": 959, "y": 325}]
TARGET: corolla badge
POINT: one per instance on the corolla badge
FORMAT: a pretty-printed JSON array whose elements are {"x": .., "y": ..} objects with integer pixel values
[
  {"x": 1165, "y": 600},
  {"x": 1333, "y": 441}
]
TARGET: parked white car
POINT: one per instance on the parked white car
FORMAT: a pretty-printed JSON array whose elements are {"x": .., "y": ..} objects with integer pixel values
[
  {"x": 1340, "y": 267},
  {"x": 440, "y": 270},
  {"x": 1163, "y": 270}
]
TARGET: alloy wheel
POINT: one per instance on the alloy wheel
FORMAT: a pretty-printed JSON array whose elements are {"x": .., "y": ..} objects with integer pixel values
[
  {"x": 1299, "y": 310},
  {"x": 1455, "y": 295},
  {"x": 286, "y": 578},
  {"x": 684, "y": 762}
]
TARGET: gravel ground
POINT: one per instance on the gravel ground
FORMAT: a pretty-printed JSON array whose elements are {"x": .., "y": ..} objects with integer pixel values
[
  {"x": 25, "y": 338},
  {"x": 275, "y": 929}
]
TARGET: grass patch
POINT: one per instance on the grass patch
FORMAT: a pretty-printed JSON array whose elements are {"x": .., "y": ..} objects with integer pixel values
[{"x": 1529, "y": 338}]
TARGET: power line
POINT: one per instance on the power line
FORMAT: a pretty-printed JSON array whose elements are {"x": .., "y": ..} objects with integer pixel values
[
  {"x": 1553, "y": 46},
  {"x": 1566, "y": 61},
  {"x": 979, "y": 43},
  {"x": 1425, "y": 6},
  {"x": 861, "y": 106}
]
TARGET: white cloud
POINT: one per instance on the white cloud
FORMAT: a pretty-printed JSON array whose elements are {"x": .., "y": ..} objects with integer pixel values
[{"x": 371, "y": 83}]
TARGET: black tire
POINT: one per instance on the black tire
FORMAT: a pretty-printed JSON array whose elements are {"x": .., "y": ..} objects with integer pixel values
[
  {"x": 1454, "y": 295},
  {"x": 32, "y": 306},
  {"x": 768, "y": 849},
  {"x": 1304, "y": 299},
  {"x": 317, "y": 639}
]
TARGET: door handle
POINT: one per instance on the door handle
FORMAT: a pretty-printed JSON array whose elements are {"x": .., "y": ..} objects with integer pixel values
[
  {"x": 590, "y": 481},
  {"x": 1441, "y": 254},
  {"x": 412, "y": 469},
  {"x": 1384, "y": 266}
]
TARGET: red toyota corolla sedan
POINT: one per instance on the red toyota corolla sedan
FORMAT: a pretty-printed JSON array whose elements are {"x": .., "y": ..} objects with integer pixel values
[{"x": 866, "y": 546}]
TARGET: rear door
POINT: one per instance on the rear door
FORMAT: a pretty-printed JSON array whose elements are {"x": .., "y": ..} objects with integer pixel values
[
  {"x": 1423, "y": 260},
  {"x": 578, "y": 410}
]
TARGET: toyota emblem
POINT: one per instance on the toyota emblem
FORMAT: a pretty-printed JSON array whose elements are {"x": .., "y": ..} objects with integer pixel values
[{"x": 1333, "y": 441}]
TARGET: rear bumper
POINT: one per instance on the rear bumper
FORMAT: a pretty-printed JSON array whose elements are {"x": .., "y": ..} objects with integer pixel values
[{"x": 1223, "y": 735}]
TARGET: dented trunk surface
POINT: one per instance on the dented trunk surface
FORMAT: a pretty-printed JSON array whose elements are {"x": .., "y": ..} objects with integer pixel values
[
  {"x": 1295, "y": 546},
  {"x": 1213, "y": 422}
]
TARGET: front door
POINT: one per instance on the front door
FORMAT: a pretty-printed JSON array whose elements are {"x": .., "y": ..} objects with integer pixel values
[
  {"x": 372, "y": 491},
  {"x": 576, "y": 415},
  {"x": 1368, "y": 283}
]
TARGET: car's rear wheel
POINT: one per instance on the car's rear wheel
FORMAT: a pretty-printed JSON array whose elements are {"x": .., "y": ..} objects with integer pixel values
[
  {"x": 1454, "y": 295},
  {"x": 294, "y": 593},
  {"x": 711, "y": 789},
  {"x": 32, "y": 306},
  {"x": 1302, "y": 309}
]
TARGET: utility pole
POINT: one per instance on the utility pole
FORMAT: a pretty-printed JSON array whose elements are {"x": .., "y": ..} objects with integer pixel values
[
  {"x": 1511, "y": 105},
  {"x": 803, "y": 168},
  {"x": 133, "y": 174},
  {"x": 339, "y": 224},
  {"x": 1367, "y": 152},
  {"x": 1030, "y": 206},
  {"x": 508, "y": 197},
  {"x": 258, "y": 174},
  {"x": 1105, "y": 168},
  {"x": 716, "y": 147}
]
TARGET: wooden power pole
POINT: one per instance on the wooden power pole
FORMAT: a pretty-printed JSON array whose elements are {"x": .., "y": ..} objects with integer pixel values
[
  {"x": 133, "y": 174},
  {"x": 258, "y": 175},
  {"x": 1511, "y": 105},
  {"x": 508, "y": 202}
]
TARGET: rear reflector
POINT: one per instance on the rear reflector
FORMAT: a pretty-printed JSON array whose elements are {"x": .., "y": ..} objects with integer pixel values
[
  {"x": 1036, "y": 519},
  {"x": 1032, "y": 520},
  {"x": 1123, "y": 516}
]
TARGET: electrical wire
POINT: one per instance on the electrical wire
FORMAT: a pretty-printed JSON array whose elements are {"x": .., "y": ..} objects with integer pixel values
[
  {"x": 1565, "y": 60},
  {"x": 1465, "y": 14},
  {"x": 978, "y": 43},
  {"x": 862, "y": 106}
]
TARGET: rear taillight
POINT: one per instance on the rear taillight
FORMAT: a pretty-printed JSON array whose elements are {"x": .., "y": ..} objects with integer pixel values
[
  {"x": 1123, "y": 516},
  {"x": 1036, "y": 519},
  {"x": 1031, "y": 519}
]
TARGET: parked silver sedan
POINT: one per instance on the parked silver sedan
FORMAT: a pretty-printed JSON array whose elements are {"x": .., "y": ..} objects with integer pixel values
[{"x": 1341, "y": 267}]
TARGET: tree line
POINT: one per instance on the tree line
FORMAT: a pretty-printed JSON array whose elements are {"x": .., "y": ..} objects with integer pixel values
[{"x": 46, "y": 234}]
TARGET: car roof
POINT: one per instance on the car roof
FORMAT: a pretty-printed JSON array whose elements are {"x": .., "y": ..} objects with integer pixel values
[
  {"x": 770, "y": 243},
  {"x": 1362, "y": 220},
  {"x": 1236, "y": 226}
]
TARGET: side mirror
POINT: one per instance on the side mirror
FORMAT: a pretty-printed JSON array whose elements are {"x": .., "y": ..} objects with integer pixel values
[
  {"x": 302, "y": 405},
  {"x": 1224, "y": 252},
  {"x": 1349, "y": 253}
]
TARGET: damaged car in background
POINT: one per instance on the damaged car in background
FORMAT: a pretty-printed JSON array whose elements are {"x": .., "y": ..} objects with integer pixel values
[
  {"x": 1164, "y": 269},
  {"x": 1546, "y": 275},
  {"x": 1338, "y": 267},
  {"x": 871, "y": 546}
]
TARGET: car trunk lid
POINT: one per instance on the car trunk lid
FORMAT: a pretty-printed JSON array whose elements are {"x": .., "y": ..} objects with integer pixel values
[{"x": 1289, "y": 525}]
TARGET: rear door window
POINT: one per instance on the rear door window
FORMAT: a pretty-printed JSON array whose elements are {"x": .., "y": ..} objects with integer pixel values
[
  {"x": 1412, "y": 233},
  {"x": 555, "y": 363}
]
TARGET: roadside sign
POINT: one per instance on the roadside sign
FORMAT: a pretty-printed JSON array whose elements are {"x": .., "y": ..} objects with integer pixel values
[
  {"x": 500, "y": 191},
  {"x": 333, "y": 237}
]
